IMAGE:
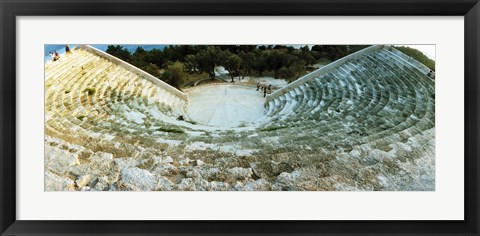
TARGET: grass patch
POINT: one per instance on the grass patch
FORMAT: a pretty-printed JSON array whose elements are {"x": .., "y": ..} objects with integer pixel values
[
  {"x": 191, "y": 122},
  {"x": 170, "y": 130},
  {"x": 242, "y": 125},
  {"x": 83, "y": 156},
  {"x": 383, "y": 146},
  {"x": 90, "y": 91},
  {"x": 273, "y": 128}
]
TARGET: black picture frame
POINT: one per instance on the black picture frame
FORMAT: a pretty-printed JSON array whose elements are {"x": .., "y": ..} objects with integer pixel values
[{"x": 470, "y": 9}]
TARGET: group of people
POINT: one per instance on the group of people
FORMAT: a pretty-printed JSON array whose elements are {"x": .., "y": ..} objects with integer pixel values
[
  {"x": 430, "y": 74},
  {"x": 264, "y": 89},
  {"x": 55, "y": 56}
]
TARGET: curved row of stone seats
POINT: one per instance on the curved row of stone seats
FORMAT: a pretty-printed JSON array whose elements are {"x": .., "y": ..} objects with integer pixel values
[
  {"x": 407, "y": 59},
  {"x": 84, "y": 82},
  {"x": 90, "y": 97},
  {"x": 371, "y": 96}
]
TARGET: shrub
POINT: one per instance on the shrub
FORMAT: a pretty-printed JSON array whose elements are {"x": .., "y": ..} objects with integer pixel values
[
  {"x": 90, "y": 91},
  {"x": 171, "y": 130},
  {"x": 418, "y": 55},
  {"x": 273, "y": 128},
  {"x": 191, "y": 122}
]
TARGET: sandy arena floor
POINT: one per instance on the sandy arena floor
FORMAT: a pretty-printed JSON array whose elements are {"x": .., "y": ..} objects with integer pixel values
[{"x": 225, "y": 105}]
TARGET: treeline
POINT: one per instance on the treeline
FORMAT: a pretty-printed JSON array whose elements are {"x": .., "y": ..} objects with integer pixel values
[
  {"x": 417, "y": 55},
  {"x": 335, "y": 52},
  {"x": 174, "y": 63}
]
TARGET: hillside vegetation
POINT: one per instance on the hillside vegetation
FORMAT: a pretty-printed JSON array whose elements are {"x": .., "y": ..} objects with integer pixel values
[
  {"x": 418, "y": 55},
  {"x": 178, "y": 64}
]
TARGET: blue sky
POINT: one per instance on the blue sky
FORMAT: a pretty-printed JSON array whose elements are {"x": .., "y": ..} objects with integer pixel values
[{"x": 427, "y": 49}]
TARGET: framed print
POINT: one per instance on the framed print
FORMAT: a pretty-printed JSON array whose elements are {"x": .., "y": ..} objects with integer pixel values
[{"x": 239, "y": 118}]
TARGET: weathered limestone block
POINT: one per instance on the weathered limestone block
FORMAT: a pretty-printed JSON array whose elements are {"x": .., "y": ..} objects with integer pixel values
[
  {"x": 125, "y": 162},
  {"x": 58, "y": 160},
  {"x": 166, "y": 169},
  {"x": 219, "y": 186},
  {"x": 137, "y": 179},
  {"x": 268, "y": 170},
  {"x": 296, "y": 181},
  {"x": 101, "y": 157},
  {"x": 199, "y": 163},
  {"x": 187, "y": 184},
  {"x": 237, "y": 186},
  {"x": 201, "y": 184},
  {"x": 54, "y": 182},
  {"x": 240, "y": 173},
  {"x": 212, "y": 173},
  {"x": 84, "y": 180},
  {"x": 157, "y": 160},
  {"x": 287, "y": 178},
  {"x": 164, "y": 184},
  {"x": 102, "y": 184},
  {"x": 257, "y": 185},
  {"x": 185, "y": 162},
  {"x": 168, "y": 159},
  {"x": 99, "y": 164}
]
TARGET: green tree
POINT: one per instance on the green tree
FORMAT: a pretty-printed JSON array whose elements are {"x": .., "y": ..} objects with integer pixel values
[
  {"x": 278, "y": 47},
  {"x": 233, "y": 64},
  {"x": 306, "y": 55},
  {"x": 354, "y": 48},
  {"x": 191, "y": 63},
  {"x": 285, "y": 73},
  {"x": 175, "y": 74},
  {"x": 297, "y": 68},
  {"x": 209, "y": 58},
  {"x": 155, "y": 56},
  {"x": 152, "y": 69},
  {"x": 259, "y": 63},
  {"x": 334, "y": 52},
  {"x": 139, "y": 57},
  {"x": 418, "y": 55},
  {"x": 248, "y": 61},
  {"x": 120, "y": 52},
  {"x": 277, "y": 59}
]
